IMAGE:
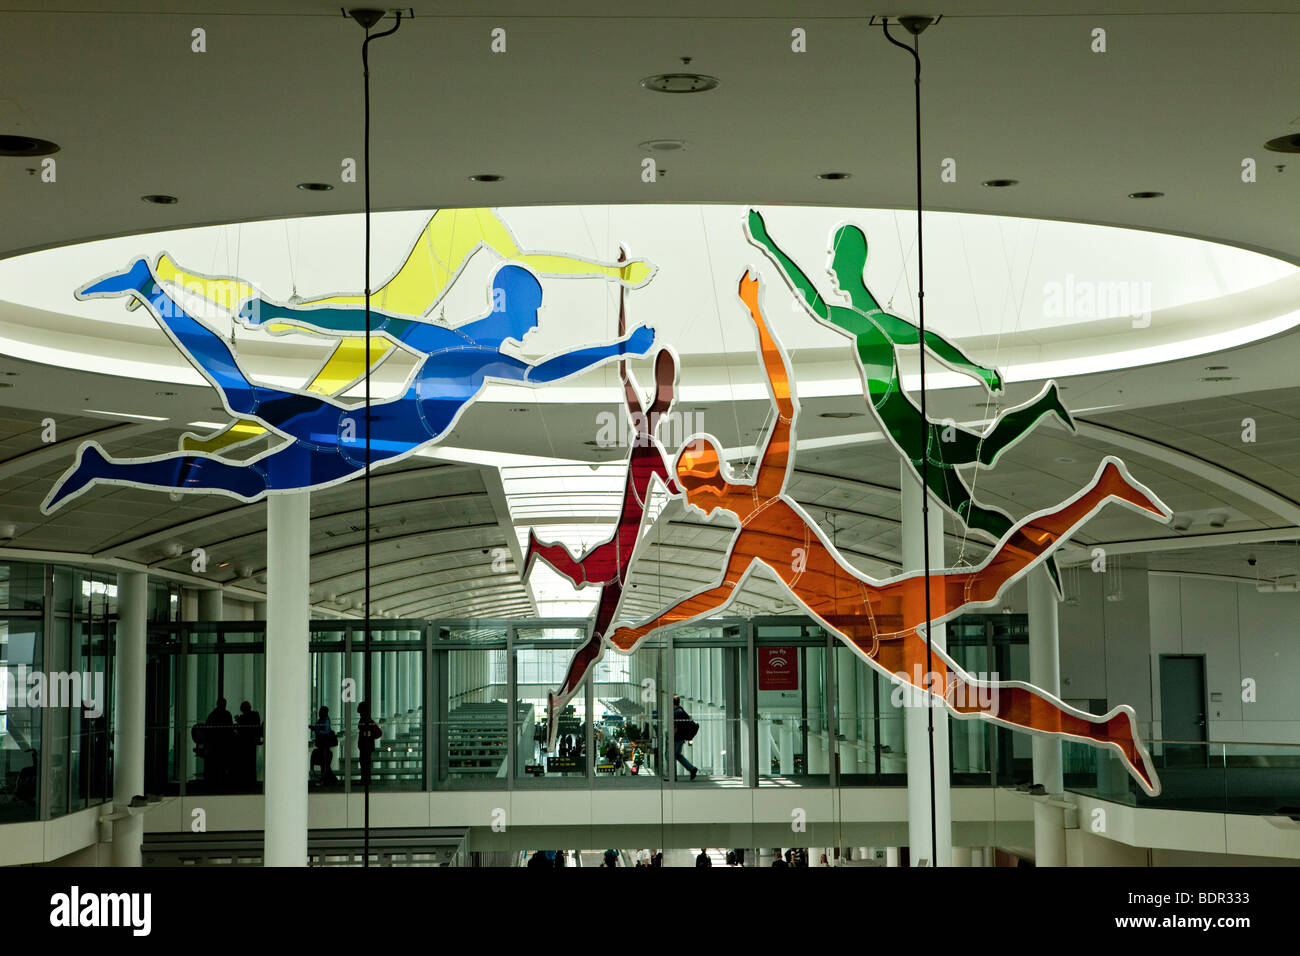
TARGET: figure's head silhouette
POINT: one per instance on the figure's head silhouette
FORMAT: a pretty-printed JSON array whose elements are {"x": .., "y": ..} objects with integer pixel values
[
  {"x": 848, "y": 259},
  {"x": 514, "y": 299},
  {"x": 699, "y": 474}
]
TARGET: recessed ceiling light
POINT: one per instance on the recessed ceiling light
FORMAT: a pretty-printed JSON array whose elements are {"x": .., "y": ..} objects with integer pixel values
[
  {"x": 680, "y": 83},
  {"x": 12, "y": 374},
  {"x": 1219, "y": 378},
  {"x": 1000, "y": 183},
  {"x": 839, "y": 415},
  {"x": 1065, "y": 461},
  {"x": 165, "y": 394},
  {"x": 1145, "y": 195},
  {"x": 520, "y": 408},
  {"x": 1290, "y": 143},
  {"x": 6, "y": 384},
  {"x": 316, "y": 187},
  {"x": 664, "y": 145},
  {"x": 159, "y": 199},
  {"x": 1216, "y": 368},
  {"x": 26, "y": 146},
  {"x": 834, "y": 177},
  {"x": 486, "y": 178}
]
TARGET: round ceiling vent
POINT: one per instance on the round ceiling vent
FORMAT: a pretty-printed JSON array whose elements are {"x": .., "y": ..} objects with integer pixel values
[
  {"x": 1289, "y": 143},
  {"x": 26, "y": 146},
  {"x": 680, "y": 83}
]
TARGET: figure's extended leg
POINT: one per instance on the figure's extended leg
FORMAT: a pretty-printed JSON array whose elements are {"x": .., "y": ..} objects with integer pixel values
[
  {"x": 205, "y": 347},
  {"x": 1043, "y": 535},
  {"x": 966, "y": 447},
  {"x": 292, "y": 466},
  {"x": 584, "y": 658},
  {"x": 905, "y": 656},
  {"x": 597, "y": 566}
]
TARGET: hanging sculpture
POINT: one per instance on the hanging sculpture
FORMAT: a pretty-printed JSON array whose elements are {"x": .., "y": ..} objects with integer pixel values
[
  {"x": 883, "y": 620},
  {"x": 878, "y": 336},
  {"x": 606, "y": 564},
  {"x": 324, "y": 438}
]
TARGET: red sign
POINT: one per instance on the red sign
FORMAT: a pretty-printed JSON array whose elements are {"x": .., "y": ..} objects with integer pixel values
[{"x": 778, "y": 668}]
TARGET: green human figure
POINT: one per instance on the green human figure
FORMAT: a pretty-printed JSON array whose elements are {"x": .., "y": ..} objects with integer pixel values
[{"x": 878, "y": 336}]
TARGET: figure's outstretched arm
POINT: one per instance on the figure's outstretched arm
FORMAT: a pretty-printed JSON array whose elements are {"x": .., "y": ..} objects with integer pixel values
[
  {"x": 770, "y": 476},
  {"x": 579, "y": 360},
  {"x": 902, "y": 332},
  {"x": 803, "y": 285}
]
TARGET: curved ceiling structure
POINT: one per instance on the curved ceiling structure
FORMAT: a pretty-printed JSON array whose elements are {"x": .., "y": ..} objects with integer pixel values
[{"x": 1170, "y": 321}]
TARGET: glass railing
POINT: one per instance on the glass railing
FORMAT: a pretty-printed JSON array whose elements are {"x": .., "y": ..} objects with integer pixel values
[{"x": 1248, "y": 777}]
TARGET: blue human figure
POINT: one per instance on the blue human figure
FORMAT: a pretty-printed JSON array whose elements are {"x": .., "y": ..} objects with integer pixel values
[{"x": 327, "y": 439}]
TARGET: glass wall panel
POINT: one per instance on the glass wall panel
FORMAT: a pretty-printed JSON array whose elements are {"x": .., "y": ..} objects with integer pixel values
[
  {"x": 870, "y": 730},
  {"x": 20, "y": 724},
  {"x": 396, "y": 702},
  {"x": 168, "y": 742},
  {"x": 793, "y": 734},
  {"x": 22, "y": 586},
  {"x": 473, "y": 725},
  {"x": 629, "y": 696},
  {"x": 221, "y": 676},
  {"x": 541, "y": 660},
  {"x": 710, "y": 682},
  {"x": 329, "y": 755}
]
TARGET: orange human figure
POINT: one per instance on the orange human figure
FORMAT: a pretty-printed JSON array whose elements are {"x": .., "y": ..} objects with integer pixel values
[{"x": 884, "y": 621}]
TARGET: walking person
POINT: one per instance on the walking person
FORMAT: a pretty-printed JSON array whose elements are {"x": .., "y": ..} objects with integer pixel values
[
  {"x": 684, "y": 729},
  {"x": 368, "y": 733}
]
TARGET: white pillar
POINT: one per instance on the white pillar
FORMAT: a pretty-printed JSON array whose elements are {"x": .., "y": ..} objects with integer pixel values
[
  {"x": 961, "y": 856},
  {"x": 891, "y": 856},
  {"x": 128, "y": 713},
  {"x": 211, "y": 605},
  {"x": 288, "y": 523},
  {"x": 920, "y": 846},
  {"x": 846, "y": 681},
  {"x": 764, "y": 748},
  {"x": 1045, "y": 673},
  {"x": 785, "y": 740},
  {"x": 258, "y": 610}
]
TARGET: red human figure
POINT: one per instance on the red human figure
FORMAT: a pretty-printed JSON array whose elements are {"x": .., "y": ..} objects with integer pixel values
[
  {"x": 605, "y": 565},
  {"x": 884, "y": 621}
]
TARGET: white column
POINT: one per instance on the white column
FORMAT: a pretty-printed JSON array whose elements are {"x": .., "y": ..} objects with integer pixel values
[
  {"x": 1045, "y": 673},
  {"x": 891, "y": 856},
  {"x": 258, "y": 610},
  {"x": 961, "y": 856},
  {"x": 288, "y": 522},
  {"x": 785, "y": 740},
  {"x": 128, "y": 713},
  {"x": 389, "y": 687},
  {"x": 920, "y": 846},
  {"x": 846, "y": 687},
  {"x": 211, "y": 605}
]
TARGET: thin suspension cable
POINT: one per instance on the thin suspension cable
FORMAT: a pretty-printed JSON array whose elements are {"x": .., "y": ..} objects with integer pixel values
[
  {"x": 366, "y": 669},
  {"x": 914, "y": 50}
]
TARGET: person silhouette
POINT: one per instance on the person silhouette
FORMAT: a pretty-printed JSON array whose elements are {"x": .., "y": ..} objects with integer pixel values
[
  {"x": 368, "y": 734},
  {"x": 327, "y": 440},
  {"x": 883, "y": 621},
  {"x": 218, "y": 741},
  {"x": 248, "y": 735},
  {"x": 878, "y": 336},
  {"x": 324, "y": 740}
]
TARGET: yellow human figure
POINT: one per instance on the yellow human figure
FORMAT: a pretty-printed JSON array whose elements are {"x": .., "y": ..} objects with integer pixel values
[{"x": 451, "y": 237}]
